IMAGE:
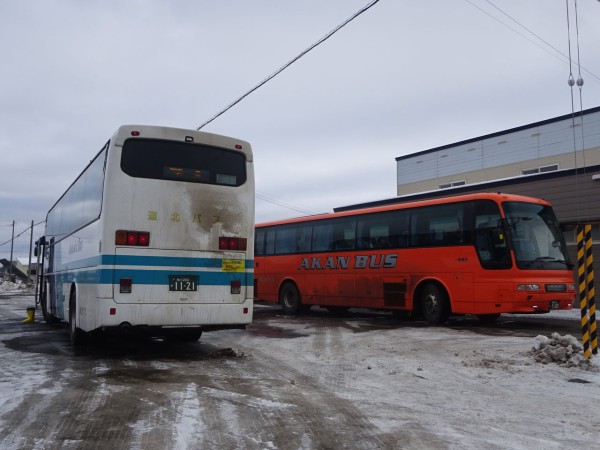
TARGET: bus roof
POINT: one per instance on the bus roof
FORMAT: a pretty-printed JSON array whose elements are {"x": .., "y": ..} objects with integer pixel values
[
  {"x": 180, "y": 134},
  {"x": 495, "y": 196}
]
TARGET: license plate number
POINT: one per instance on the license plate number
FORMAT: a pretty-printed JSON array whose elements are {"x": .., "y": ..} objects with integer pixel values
[
  {"x": 183, "y": 283},
  {"x": 554, "y": 304}
]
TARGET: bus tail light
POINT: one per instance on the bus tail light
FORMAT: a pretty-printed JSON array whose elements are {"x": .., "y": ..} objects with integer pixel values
[
  {"x": 236, "y": 287},
  {"x": 232, "y": 243},
  {"x": 133, "y": 238},
  {"x": 125, "y": 285}
]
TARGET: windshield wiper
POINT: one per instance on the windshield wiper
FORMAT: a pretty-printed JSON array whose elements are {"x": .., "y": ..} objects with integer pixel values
[{"x": 549, "y": 259}]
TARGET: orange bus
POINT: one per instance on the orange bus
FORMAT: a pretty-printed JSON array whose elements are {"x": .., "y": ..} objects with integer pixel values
[{"x": 482, "y": 254}]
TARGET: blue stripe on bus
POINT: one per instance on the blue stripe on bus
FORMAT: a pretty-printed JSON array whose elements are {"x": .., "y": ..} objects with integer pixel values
[
  {"x": 151, "y": 277},
  {"x": 162, "y": 277},
  {"x": 88, "y": 272},
  {"x": 179, "y": 261},
  {"x": 152, "y": 261}
]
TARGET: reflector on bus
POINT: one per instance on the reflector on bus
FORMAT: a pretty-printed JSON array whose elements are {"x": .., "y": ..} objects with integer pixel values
[{"x": 236, "y": 287}]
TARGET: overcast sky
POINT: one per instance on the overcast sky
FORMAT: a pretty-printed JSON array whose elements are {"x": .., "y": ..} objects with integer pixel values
[{"x": 401, "y": 78}]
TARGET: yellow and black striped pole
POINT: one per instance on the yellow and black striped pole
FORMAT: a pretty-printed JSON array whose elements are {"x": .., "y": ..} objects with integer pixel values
[
  {"x": 585, "y": 332},
  {"x": 591, "y": 302}
]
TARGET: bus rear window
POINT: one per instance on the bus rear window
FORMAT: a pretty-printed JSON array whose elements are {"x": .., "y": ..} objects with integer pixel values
[{"x": 169, "y": 160}]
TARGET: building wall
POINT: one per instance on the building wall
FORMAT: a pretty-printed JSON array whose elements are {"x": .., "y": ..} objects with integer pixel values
[
  {"x": 504, "y": 154},
  {"x": 564, "y": 161}
]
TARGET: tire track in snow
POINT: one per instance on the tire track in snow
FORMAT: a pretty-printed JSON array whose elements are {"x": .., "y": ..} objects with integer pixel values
[{"x": 317, "y": 417}]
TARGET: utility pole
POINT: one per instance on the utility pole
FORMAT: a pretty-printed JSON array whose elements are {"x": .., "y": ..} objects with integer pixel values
[
  {"x": 12, "y": 241},
  {"x": 30, "y": 246}
]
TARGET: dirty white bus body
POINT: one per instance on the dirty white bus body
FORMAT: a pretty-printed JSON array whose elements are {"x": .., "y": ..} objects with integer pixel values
[{"x": 155, "y": 235}]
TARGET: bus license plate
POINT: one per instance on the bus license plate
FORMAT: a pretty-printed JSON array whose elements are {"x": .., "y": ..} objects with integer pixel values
[
  {"x": 183, "y": 283},
  {"x": 554, "y": 304}
]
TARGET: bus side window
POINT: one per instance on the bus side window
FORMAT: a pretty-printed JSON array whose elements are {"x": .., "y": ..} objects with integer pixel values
[
  {"x": 270, "y": 242},
  {"x": 259, "y": 242},
  {"x": 439, "y": 225},
  {"x": 322, "y": 237},
  {"x": 363, "y": 233},
  {"x": 285, "y": 240},
  {"x": 343, "y": 234},
  {"x": 383, "y": 230},
  {"x": 398, "y": 231},
  {"x": 303, "y": 238},
  {"x": 421, "y": 234}
]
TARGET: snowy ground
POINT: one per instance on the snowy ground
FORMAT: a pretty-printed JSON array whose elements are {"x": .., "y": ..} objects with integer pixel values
[
  {"x": 473, "y": 391},
  {"x": 417, "y": 387}
]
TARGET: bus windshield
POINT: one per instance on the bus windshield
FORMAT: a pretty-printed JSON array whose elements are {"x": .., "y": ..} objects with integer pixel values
[{"x": 536, "y": 236}]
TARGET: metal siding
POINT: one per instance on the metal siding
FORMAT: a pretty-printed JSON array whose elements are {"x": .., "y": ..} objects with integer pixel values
[
  {"x": 465, "y": 158},
  {"x": 422, "y": 168},
  {"x": 524, "y": 145}
]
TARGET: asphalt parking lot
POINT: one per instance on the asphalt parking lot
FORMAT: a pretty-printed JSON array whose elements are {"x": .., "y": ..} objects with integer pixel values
[{"x": 360, "y": 380}]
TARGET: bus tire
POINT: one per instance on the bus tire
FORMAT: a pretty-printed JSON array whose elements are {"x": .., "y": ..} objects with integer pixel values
[
  {"x": 76, "y": 335},
  {"x": 289, "y": 298},
  {"x": 435, "y": 305}
]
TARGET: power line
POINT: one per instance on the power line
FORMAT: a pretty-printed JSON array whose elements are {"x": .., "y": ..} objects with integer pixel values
[
  {"x": 567, "y": 57},
  {"x": 285, "y": 205},
  {"x": 21, "y": 233},
  {"x": 285, "y": 66}
]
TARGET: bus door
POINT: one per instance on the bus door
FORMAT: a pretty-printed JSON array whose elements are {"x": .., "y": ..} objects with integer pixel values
[{"x": 51, "y": 279}]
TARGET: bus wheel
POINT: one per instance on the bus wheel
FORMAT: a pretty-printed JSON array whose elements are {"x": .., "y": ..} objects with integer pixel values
[
  {"x": 435, "y": 305},
  {"x": 76, "y": 334},
  {"x": 289, "y": 297},
  {"x": 488, "y": 319}
]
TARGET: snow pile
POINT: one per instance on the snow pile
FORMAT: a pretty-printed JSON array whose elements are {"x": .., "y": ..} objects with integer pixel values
[
  {"x": 6, "y": 286},
  {"x": 563, "y": 350}
]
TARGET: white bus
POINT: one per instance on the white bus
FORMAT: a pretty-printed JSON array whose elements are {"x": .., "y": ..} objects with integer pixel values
[{"x": 155, "y": 235}]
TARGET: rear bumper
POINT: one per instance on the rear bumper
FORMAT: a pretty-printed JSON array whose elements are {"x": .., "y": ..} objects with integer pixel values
[{"x": 207, "y": 316}]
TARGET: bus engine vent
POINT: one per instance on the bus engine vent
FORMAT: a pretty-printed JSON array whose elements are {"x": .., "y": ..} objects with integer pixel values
[{"x": 394, "y": 294}]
